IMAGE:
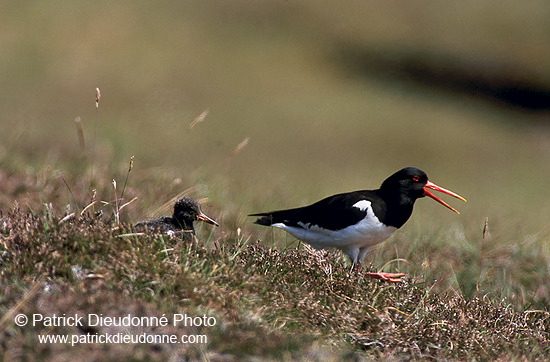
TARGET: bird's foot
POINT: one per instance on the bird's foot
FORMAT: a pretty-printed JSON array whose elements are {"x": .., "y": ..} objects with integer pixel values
[{"x": 387, "y": 277}]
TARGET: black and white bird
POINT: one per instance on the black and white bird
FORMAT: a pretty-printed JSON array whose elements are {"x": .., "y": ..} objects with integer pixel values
[
  {"x": 355, "y": 221},
  {"x": 186, "y": 211}
]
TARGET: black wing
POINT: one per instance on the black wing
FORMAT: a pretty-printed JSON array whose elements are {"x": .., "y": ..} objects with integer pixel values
[
  {"x": 333, "y": 213},
  {"x": 161, "y": 224}
]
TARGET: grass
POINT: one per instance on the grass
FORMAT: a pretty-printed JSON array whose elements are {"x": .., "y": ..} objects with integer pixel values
[{"x": 269, "y": 301}]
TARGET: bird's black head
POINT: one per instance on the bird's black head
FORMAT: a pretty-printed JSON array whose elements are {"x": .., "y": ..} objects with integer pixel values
[
  {"x": 187, "y": 210},
  {"x": 409, "y": 184}
]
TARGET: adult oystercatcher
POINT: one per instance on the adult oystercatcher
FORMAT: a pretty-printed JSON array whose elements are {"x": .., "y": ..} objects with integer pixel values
[
  {"x": 186, "y": 211},
  {"x": 355, "y": 221}
]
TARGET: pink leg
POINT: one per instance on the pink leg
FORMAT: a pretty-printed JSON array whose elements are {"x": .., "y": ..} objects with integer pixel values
[{"x": 387, "y": 277}]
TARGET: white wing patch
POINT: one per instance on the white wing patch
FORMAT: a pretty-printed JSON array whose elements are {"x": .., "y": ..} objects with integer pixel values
[{"x": 362, "y": 205}]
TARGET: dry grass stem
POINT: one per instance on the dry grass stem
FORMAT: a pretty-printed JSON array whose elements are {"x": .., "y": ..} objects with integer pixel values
[
  {"x": 8, "y": 317},
  {"x": 486, "y": 229},
  {"x": 200, "y": 118},
  {"x": 484, "y": 239},
  {"x": 169, "y": 204},
  {"x": 69, "y": 188},
  {"x": 392, "y": 261},
  {"x": 67, "y": 217},
  {"x": 80, "y": 132},
  {"x": 117, "y": 210},
  {"x": 127, "y": 203},
  {"x": 91, "y": 204},
  {"x": 97, "y": 97},
  {"x": 241, "y": 146},
  {"x": 130, "y": 166}
]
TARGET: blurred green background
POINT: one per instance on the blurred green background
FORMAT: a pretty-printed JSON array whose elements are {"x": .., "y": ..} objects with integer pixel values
[{"x": 331, "y": 97}]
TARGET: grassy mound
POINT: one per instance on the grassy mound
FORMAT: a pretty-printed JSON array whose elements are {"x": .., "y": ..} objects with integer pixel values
[{"x": 294, "y": 303}]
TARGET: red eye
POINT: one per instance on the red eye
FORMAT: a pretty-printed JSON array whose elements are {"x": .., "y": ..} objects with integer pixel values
[{"x": 416, "y": 178}]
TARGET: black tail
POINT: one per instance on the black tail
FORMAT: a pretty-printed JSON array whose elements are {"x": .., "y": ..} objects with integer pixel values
[{"x": 266, "y": 219}]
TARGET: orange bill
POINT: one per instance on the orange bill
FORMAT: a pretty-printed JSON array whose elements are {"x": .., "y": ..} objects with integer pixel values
[
  {"x": 431, "y": 185},
  {"x": 203, "y": 217}
]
